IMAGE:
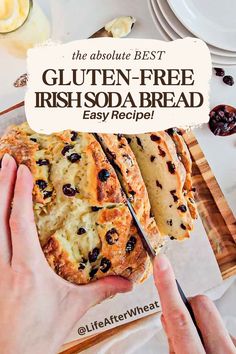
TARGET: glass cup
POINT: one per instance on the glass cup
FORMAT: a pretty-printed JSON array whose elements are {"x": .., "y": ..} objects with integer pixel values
[{"x": 28, "y": 27}]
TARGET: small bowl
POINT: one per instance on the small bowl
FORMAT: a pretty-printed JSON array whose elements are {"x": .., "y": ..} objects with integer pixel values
[{"x": 223, "y": 120}]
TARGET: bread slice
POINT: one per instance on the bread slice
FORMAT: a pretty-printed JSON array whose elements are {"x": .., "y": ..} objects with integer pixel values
[
  {"x": 184, "y": 156},
  {"x": 84, "y": 225},
  {"x": 117, "y": 147},
  {"x": 164, "y": 175}
]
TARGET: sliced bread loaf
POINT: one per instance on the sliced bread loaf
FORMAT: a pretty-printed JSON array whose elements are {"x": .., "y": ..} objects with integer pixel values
[{"x": 165, "y": 176}]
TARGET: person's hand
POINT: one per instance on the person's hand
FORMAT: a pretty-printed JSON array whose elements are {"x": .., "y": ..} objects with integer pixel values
[
  {"x": 180, "y": 330},
  {"x": 38, "y": 309}
]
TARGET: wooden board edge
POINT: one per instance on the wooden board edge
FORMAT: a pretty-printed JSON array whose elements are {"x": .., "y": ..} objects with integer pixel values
[{"x": 208, "y": 176}]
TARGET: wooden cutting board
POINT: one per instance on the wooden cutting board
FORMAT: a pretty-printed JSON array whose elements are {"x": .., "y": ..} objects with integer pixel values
[{"x": 219, "y": 223}]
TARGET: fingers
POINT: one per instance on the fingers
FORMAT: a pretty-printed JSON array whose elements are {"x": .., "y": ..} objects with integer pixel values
[
  {"x": 171, "y": 349},
  {"x": 216, "y": 337},
  {"x": 179, "y": 326},
  {"x": 25, "y": 243},
  {"x": 7, "y": 182},
  {"x": 102, "y": 289}
]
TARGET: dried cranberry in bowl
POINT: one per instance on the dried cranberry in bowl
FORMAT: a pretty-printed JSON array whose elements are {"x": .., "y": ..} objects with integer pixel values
[{"x": 223, "y": 120}]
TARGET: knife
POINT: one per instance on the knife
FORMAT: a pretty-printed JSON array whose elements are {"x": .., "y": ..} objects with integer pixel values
[{"x": 144, "y": 237}]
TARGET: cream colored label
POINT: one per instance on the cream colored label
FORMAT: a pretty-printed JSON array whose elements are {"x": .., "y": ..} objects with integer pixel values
[{"x": 118, "y": 86}]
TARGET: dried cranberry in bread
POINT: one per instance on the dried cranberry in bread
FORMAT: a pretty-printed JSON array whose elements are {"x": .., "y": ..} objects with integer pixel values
[
  {"x": 84, "y": 226},
  {"x": 117, "y": 147},
  {"x": 164, "y": 176},
  {"x": 184, "y": 156}
]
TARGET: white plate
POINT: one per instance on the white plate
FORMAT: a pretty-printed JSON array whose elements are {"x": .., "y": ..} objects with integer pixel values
[
  {"x": 168, "y": 29},
  {"x": 211, "y": 20},
  {"x": 216, "y": 59},
  {"x": 182, "y": 31},
  {"x": 157, "y": 23}
]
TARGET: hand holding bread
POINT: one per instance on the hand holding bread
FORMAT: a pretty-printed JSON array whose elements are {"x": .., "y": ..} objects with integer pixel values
[{"x": 38, "y": 308}]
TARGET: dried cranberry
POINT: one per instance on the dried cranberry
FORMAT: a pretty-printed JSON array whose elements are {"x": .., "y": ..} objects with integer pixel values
[
  {"x": 152, "y": 158},
  {"x": 173, "y": 193},
  {"x": 93, "y": 255},
  {"x": 228, "y": 80},
  {"x": 182, "y": 208},
  {"x": 112, "y": 236},
  {"x": 41, "y": 183},
  {"x": 103, "y": 175},
  {"x": 119, "y": 136},
  {"x": 171, "y": 167},
  {"x": 74, "y": 157},
  {"x": 121, "y": 146},
  {"x": 82, "y": 265},
  {"x": 93, "y": 272},
  {"x": 42, "y": 162},
  {"x": 175, "y": 130},
  {"x": 169, "y": 222},
  {"x": 95, "y": 208},
  {"x": 68, "y": 190},
  {"x": 81, "y": 231},
  {"x": 66, "y": 149},
  {"x": 161, "y": 152},
  {"x": 219, "y": 71},
  {"x": 139, "y": 142},
  {"x": 47, "y": 194},
  {"x": 172, "y": 131},
  {"x": 73, "y": 135},
  {"x": 105, "y": 265},
  {"x": 155, "y": 137},
  {"x": 130, "y": 244}
]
